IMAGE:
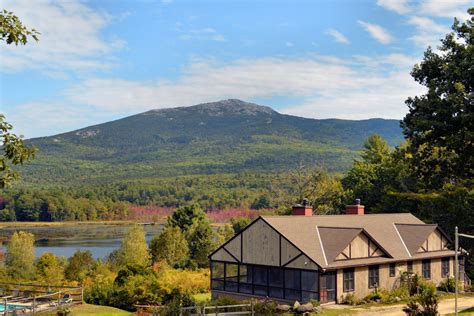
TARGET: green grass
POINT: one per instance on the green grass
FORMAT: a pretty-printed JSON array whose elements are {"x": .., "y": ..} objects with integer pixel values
[
  {"x": 88, "y": 309},
  {"x": 468, "y": 311}
]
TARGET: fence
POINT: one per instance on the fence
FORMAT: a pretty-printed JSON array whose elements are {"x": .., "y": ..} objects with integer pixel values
[
  {"x": 241, "y": 309},
  {"x": 28, "y": 298}
]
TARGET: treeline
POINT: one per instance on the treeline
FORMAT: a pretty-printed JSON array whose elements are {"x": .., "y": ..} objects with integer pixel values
[{"x": 168, "y": 272}]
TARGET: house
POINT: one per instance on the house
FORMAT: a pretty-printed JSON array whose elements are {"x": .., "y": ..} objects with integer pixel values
[{"x": 326, "y": 257}]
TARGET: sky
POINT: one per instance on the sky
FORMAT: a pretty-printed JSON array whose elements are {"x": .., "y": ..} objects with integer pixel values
[{"x": 102, "y": 60}]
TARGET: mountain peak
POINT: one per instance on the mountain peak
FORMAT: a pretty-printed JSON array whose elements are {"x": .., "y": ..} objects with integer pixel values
[{"x": 218, "y": 108}]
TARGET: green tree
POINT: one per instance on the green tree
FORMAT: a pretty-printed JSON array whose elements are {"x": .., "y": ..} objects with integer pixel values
[
  {"x": 201, "y": 239},
  {"x": 170, "y": 245},
  {"x": 49, "y": 268},
  {"x": 376, "y": 149},
  {"x": 12, "y": 30},
  {"x": 14, "y": 149},
  {"x": 78, "y": 265},
  {"x": 184, "y": 216},
  {"x": 225, "y": 232},
  {"x": 20, "y": 257},
  {"x": 133, "y": 249},
  {"x": 239, "y": 223},
  {"x": 440, "y": 123}
]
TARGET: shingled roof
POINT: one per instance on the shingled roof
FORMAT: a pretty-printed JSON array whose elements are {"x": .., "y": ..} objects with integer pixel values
[{"x": 322, "y": 238}]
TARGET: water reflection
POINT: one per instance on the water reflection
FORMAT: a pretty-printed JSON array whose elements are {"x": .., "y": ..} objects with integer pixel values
[{"x": 100, "y": 240}]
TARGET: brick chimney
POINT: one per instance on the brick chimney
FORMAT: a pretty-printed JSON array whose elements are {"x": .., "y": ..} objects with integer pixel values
[
  {"x": 355, "y": 209},
  {"x": 303, "y": 209}
]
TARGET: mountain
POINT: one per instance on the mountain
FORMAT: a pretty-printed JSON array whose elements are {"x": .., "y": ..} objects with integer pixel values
[{"x": 219, "y": 137}]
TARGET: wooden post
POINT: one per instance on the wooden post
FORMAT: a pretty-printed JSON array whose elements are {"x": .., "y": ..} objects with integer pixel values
[{"x": 456, "y": 269}]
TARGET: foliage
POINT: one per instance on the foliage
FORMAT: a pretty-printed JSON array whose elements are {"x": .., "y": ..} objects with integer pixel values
[
  {"x": 177, "y": 299},
  {"x": 14, "y": 150},
  {"x": 202, "y": 241},
  {"x": 448, "y": 285},
  {"x": 133, "y": 250},
  {"x": 185, "y": 216},
  {"x": 224, "y": 233},
  {"x": 49, "y": 268},
  {"x": 440, "y": 123},
  {"x": 20, "y": 256},
  {"x": 265, "y": 307},
  {"x": 170, "y": 245},
  {"x": 425, "y": 302},
  {"x": 239, "y": 223},
  {"x": 351, "y": 299},
  {"x": 12, "y": 30},
  {"x": 78, "y": 265},
  {"x": 188, "y": 281}
]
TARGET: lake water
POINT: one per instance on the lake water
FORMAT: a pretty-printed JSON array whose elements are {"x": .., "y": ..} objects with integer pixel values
[{"x": 66, "y": 239}]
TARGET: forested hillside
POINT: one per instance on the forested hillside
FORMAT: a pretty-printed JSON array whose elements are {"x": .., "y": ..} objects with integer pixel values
[{"x": 228, "y": 136}]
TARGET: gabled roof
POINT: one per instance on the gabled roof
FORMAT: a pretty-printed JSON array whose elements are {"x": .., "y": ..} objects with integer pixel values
[
  {"x": 321, "y": 237},
  {"x": 335, "y": 239},
  {"x": 414, "y": 235}
]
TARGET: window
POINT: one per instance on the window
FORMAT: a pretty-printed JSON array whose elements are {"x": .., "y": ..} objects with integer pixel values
[
  {"x": 392, "y": 269},
  {"x": 409, "y": 266},
  {"x": 426, "y": 269},
  {"x": 348, "y": 279},
  {"x": 275, "y": 282},
  {"x": 373, "y": 276},
  {"x": 444, "y": 267}
]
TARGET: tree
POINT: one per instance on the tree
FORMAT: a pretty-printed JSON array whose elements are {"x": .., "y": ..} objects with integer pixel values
[
  {"x": 49, "y": 268},
  {"x": 14, "y": 149},
  {"x": 78, "y": 265},
  {"x": 201, "y": 240},
  {"x": 12, "y": 30},
  {"x": 184, "y": 216},
  {"x": 376, "y": 149},
  {"x": 440, "y": 123},
  {"x": 134, "y": 250},
  {"x": 20, "y": 257},
  {"x": 14, "y": 152},
  {"x": 239, "y": 223},
  {"x": 170, "y": 246}
]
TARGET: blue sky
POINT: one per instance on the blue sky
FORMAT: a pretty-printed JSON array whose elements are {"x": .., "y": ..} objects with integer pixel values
[{"x": 102, "y": 60}]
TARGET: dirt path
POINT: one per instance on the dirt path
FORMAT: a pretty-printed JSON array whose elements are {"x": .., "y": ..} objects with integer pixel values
[{"x": 445, "y": 307}]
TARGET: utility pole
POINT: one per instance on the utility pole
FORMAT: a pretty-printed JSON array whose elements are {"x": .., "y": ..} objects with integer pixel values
[{"x": 456, "y": 265}]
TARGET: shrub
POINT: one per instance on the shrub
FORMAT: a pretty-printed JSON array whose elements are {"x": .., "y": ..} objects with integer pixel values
[
  {"x": 176, "y": 300},
  {"x": 425, "y": 303},
  {"x": 448, "y": 285},
  {"x": 373, "y": 296},
  {"x": 351, "y": 299},
  {"x": 265, "y": 307}
]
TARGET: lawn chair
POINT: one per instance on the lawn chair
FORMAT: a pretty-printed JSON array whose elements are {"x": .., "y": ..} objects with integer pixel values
[
  {"x": 66, "y": 299},
  {"x": 15, "y": 294}
]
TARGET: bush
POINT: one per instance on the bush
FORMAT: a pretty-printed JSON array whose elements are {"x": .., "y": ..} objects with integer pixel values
[
  {"x": 265, "y": 307},
  {"x": 351, "y": 299},
  {"x": 176, "y": 300},
  {"x": 448, "y": 285},
  {"x": 425, "y": 303},
  {"x": 373, "y": 296}
]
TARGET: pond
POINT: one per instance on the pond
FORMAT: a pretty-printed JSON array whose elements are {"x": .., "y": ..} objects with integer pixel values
[{"x": 64, "y": 240}]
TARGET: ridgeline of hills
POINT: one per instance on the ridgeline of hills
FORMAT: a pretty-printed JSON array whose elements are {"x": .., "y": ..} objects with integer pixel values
[{"x": 228, "y": 136}]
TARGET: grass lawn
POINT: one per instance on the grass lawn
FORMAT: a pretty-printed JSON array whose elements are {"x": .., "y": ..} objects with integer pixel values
[
  {"x": 465, "y": 312},
  {"x": 88, "y": 309}
]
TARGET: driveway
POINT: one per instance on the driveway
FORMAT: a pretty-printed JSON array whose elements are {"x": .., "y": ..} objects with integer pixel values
[{"x": 445, "y": 307}]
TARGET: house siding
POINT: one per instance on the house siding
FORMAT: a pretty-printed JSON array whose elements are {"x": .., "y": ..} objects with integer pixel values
[{"x": 385, "y": 281}]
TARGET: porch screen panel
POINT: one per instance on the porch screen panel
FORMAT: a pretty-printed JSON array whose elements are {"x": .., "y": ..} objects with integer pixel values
[
  {"x": 260, "y": 280},
  {"x": 309, "y": 285},
  {"x": 231, "y": 277},
  {"x": 217, "y": 275},
  {"x": 292, "y": 284},
  {"x": 275, "y": 282},
  {"x": 245, "y": 279}
]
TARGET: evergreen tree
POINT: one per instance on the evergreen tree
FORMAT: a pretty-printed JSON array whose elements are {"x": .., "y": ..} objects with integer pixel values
[
  {"x": 184, "y": 216},
  {"x": 201, "y": 240}
]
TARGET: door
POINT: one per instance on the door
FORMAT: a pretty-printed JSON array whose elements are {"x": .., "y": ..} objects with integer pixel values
[{"x": 327, "y": 292}]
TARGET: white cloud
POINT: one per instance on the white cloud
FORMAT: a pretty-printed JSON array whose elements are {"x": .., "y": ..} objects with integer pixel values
[
  {"x": 338, "y": 36},
  {"x": 446, "y": 8},
  {"x": 70, "y": 37},
  {"x": 207, "y": 34},
  {"x": 377, "y": 32},
  {"x": 358, "y": 87},
  {"x": 427, "y": 31},
  {"x": 399, "y": 6}
]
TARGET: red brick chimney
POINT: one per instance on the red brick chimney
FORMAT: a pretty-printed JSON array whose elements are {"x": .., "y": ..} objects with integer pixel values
[
  {"x": 355, "y": 209},
  {"x": 303, "y": 209}
]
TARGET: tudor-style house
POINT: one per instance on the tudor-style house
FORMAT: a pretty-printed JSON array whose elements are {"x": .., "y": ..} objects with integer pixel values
[{"x": 326, "y": 257}]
